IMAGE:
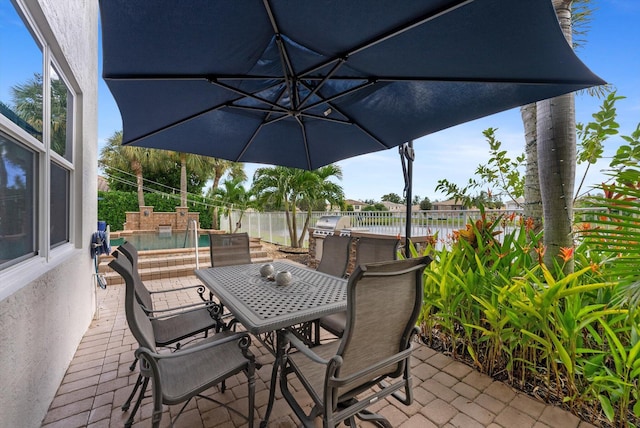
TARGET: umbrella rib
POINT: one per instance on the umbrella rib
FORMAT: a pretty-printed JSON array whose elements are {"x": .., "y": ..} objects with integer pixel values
[
  {"x": 327, "y": 119},
  {"x": 342, "y": 94},
  {"x": 265, "y": 121},
  {"x": 356, "y": 124},
  {"x": 394, "y": 32},
  {"x": 248, "y": 94},
  {"x": 360, "y": 127},
  {"x": 246, "y": 146},
  {"x": 326, "y": 78},
  {"x": 176, "y": 123},
  {"x": 287, "y": 66},
  {"x": 305, "y": 141},
  {"x": 217, "y": 78}
]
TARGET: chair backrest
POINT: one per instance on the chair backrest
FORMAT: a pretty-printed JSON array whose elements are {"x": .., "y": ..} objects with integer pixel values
[
  {"x": 335, "y": 255},
  {"x": 228, "y": 249},
  {"x": 142, "y": 293},
  {"x": 373, "y": 250},
  {"x": 139, "y": 322},
  {"x": 383, "y": 303}
]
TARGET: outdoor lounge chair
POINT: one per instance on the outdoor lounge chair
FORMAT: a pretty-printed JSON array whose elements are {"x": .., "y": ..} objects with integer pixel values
[
  {"x": 383, "y": 303},
  {"x": 368, "y": 250},
  {"x": 179, "y": 376},
  {"x": 335, "y": 255}
]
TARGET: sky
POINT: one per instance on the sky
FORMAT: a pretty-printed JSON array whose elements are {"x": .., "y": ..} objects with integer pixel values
[{"x": 612, "y": 51}]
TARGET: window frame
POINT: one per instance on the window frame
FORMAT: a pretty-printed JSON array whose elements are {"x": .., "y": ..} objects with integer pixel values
[{"x": 16, "y": 275}]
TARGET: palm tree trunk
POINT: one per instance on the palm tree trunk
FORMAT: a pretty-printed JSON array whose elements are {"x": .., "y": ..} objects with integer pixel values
[
  {"x": 305, "y": 227},
  {"x": 214, "y": 218},
  {"x": 183, "y": 179},
  {"x": 557, "y": 159},
  {"x": 532, "y": 199},
  {"x": 216, "y": 213},
  {"x": 294, "y": 226},
  {"x": 137, "y": 168}
]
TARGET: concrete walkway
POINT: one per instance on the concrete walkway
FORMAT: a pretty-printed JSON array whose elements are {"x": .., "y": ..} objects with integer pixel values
[{"x": 447, "y": 393}]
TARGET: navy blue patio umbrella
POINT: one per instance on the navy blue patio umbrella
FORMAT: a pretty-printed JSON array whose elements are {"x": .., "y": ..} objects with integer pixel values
[{"x": 307, "y": 83}]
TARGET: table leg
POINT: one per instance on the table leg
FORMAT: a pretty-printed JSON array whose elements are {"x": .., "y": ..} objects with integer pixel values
[{"x": 274, "y": 378}]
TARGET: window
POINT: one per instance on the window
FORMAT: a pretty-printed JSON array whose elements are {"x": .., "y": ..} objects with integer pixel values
[
  {"x": 18, "y": 201},
  {"x": 36, "y": 142},
  {"x": 59, "y": 205}
]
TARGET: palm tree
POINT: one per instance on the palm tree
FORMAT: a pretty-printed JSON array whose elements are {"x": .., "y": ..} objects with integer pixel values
[
  {"x": 532, "y": 198},
  {"x": 218, "y": 168},
  {"x": 135, "y": 159},
  {"x": 27, "y": 98},
  {"x": 580, "y": 15},
  {"x": 321, "y": 191},
  {"x": 190, "y": 162},
  {"x": 274, "y": 186},
  {"x": 556, "y": 137},
  {"x": 232, "y": 195},
  {"x": 287, "y": 187}
]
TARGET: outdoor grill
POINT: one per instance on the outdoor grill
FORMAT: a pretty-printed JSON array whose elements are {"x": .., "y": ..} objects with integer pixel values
[{"x": 330, "y": 224}]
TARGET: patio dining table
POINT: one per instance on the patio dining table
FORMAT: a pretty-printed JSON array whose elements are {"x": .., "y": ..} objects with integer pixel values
[{"x": 264, "y": 308}]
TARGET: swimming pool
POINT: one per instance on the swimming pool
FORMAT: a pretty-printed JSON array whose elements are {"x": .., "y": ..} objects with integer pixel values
[{"x": 155, "y": 241}]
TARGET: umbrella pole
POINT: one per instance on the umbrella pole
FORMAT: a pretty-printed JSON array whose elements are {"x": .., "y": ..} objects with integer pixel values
[{"x": 407, "y": 154}]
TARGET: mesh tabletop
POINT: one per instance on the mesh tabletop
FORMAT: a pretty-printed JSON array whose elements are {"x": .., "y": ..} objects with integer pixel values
[{"x": 261, "y": 305}]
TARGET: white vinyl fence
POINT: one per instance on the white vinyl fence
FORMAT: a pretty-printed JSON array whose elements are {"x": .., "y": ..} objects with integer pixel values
[{"x": 272, "y": 226}]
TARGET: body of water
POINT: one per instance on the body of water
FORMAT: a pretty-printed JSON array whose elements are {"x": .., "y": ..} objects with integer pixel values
[{"x": 155, "y": 241}]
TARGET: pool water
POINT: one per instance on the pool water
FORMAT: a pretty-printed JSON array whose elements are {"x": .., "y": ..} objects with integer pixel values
[{"x": 154, "y": 241}]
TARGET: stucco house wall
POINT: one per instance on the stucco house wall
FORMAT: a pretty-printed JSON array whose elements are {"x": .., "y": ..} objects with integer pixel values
[{"x": 47, "y": 303}]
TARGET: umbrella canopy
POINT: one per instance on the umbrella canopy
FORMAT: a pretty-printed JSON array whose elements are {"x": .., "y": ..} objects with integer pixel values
[{"x": 307, "y": 83}]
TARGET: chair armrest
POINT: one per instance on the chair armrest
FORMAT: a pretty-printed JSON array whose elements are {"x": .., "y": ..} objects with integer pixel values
[
  {"x": 169, "y": 312},
  {"x": 304, "y": 349},
  {"x": 243, "y": 338},
  {"x": 169, "y": 290}
]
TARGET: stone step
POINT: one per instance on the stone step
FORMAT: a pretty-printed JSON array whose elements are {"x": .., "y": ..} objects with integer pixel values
[{"x": 158, "y": 264}]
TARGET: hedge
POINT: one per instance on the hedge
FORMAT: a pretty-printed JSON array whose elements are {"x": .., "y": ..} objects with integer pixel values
[{"x": 113, "y": 205}]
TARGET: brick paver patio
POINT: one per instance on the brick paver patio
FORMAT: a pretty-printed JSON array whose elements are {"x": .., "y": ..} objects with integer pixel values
[{"x": 447, "y": 393}]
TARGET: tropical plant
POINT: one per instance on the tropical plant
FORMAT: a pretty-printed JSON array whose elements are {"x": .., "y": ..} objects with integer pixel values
[
  {"x": 191, "y": 166},
  {"x": 218, "y": 168},
  {"x": 232, "y": 196},
  {"x": 287, "y": 188},
  {"x": 615, "y": 230},
  {"x": 27, "y": 98},
  {"x": 491, "y": 300},
  {"x": 115, "y": 156},
  {"x": 591, "y": 137},
  {"x": 319, "y": 190}
]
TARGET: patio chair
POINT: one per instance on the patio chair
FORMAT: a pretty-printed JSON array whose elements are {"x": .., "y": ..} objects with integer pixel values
[
  {"x": 228, "y": 249},
  {"x": 368, "y": 250},
  {"x": 170, "y": 326},
  {"x": 383, "y": 303},
  {"x": 131, "y": 252},
  {"x": 335, "y": 255},
  {"x": 174, "y": 323},
  {"x": 373, "y": 250},
  {"x": 181, "y": 375}
]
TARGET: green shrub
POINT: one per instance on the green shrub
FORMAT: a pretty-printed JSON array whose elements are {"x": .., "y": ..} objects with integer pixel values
[
  {"x": 494, "y": 303},
  {"x": 113, "y": 205}
]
